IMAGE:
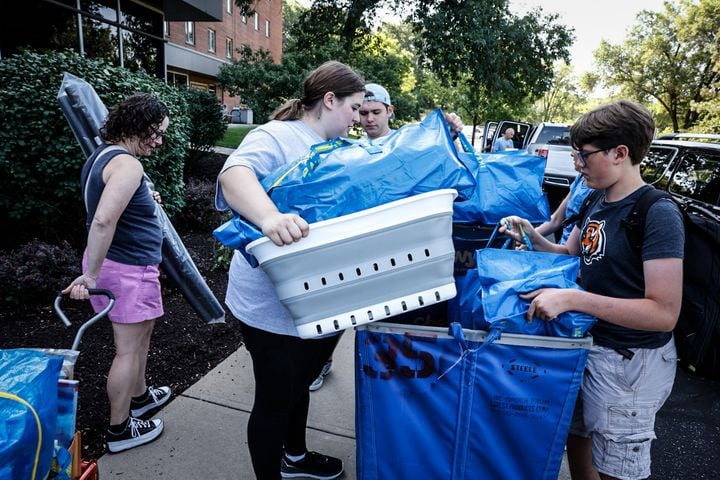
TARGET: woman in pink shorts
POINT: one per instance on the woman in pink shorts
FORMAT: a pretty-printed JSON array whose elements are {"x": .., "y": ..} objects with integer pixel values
[{"x": 122, "y": 255}]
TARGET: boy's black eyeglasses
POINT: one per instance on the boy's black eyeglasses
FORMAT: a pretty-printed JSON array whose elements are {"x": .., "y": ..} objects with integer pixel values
[{"x": 582, "y": 155}]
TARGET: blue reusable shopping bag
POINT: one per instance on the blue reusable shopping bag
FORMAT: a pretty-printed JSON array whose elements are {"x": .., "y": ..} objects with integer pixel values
[
  {"x": 502, "y": 275},
  {"x": 508, "y": 183},
  {"x": 28, "y": 412},
  {"x": 342, "y": 176}
]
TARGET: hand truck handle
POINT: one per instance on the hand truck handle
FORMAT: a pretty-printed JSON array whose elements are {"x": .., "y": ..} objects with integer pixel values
[{"x": 87, "y": 324}]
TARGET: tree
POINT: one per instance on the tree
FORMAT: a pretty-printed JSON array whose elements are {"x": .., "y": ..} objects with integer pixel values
[
  {"x": 670, "y": 57},
  {"x": 259, "y": 82},
  {"x": 563, "y": 101},
  {"x": 504, "y": 61}
]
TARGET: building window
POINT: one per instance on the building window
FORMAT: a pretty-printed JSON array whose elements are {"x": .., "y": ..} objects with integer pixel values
[
  {"x": 166, "y": 28},
  {"x": 190, "y": 33},
  {"x": 267, "y": 28},
  {"x": 211, "y": 40},
  {"x": 177, "y": 79},
  {"x": 257, "y": 21},
  {"x": 127, "y": 34},
  {"x": 228, "y": 6},
  {"x": 229, "y": 48},
  {"x": 244, "y": 18}
]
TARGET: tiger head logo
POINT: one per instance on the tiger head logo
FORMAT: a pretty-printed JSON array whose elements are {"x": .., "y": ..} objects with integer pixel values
[{"x": 592, "y": 244}]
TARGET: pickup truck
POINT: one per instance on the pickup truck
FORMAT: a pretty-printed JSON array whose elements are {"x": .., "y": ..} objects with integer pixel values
[{"x": 547, "y": 139}]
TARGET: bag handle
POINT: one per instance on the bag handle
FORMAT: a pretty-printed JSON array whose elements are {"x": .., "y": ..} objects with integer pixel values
[{"x": 523, "y": 234}]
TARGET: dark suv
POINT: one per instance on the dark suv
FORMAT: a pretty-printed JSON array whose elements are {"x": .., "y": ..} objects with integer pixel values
[{"x": 688, "y": 166}]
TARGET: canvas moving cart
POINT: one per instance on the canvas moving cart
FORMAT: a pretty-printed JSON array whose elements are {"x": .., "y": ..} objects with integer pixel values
[{"x": 432, "y": 405}]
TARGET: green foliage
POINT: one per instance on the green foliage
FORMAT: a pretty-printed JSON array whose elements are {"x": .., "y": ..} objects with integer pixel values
[
  {"x": 382, "y": 61},
  {"x": 207, "y": 123},
  {"x": 504, "y": 60},
  {"x": 259, "y": 82},
  {"x": 40, "y": 159},
  {"x": 223, "y": 257},
  {"x": 670, "y": 57},
  {"x": 563, "y": 102}
]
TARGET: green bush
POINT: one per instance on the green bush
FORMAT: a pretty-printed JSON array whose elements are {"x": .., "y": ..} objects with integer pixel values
[
  {"x": 207, "y": 124},
  {"x": 40, "y": 159}
]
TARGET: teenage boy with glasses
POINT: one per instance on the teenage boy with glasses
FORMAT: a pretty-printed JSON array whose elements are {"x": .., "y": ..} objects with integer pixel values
[{"x": 631, "y": 366}]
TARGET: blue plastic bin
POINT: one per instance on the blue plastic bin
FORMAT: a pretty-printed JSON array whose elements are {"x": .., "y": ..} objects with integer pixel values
[{"x": 498, "y": 412}]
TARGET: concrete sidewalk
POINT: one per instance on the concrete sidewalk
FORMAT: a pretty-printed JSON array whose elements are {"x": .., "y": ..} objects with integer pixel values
[{"x": 205, "y": 426}]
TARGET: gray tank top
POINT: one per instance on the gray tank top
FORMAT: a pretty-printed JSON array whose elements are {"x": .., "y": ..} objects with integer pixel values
[{"x": 138, "y": 235}]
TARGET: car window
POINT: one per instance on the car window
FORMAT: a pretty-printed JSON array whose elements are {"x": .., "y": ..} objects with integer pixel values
[
  {"x": 559, "y": 135},
  {"x": 698, "y": 176},
  {"x": 655, "y": 167}
]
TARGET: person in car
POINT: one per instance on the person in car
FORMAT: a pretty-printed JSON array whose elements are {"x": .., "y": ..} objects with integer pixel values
[
  {"x": 631, "y": 366},
  {"x": 504, "y": 141}
]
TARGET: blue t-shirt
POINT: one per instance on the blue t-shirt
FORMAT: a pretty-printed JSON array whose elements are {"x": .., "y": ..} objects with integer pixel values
[
  {"x": 502, "y": 144},
  {"x": 611, "y": 267}
]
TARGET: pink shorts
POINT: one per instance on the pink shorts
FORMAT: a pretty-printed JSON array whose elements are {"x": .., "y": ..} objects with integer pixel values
[{"x": 136, "y": 288}]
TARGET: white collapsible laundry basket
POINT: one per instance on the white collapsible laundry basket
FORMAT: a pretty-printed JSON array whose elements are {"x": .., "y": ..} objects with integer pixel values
[{"x": 366, "y": 266}]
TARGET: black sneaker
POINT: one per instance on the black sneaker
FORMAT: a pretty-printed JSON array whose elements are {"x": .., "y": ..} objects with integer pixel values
[
  {"x": 153, "y": 398},
  {"x": 318, "y": 382},
  {"x": 314, "y": 465},
  {"x": 138, "y": 432}
]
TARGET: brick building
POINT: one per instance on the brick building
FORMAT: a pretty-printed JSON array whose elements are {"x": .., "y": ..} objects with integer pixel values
[{"x": 195, "y": 50}]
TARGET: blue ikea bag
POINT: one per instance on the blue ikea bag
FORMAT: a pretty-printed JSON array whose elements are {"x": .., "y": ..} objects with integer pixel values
[
  {"x": 502, "y": 275},
  {"x": 342, "y": 176},
  {"x": 507, "y": 183},
  {"x": 28, "y": 412}
]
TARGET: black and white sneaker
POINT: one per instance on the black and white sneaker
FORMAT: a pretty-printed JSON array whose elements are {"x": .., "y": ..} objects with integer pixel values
[
  {"x": 138, "y": 432},
  {"x": 318, "y": 382},
  {"x": 313, "y": 465},
  {"x": 152, "y": 399}
]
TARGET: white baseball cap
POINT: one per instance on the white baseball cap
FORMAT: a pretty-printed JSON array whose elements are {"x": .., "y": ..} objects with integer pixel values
[{"x": 376, "y": 93}]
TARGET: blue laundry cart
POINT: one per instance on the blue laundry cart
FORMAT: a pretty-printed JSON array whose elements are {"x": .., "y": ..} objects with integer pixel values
[{"x": 432, "y": 405}]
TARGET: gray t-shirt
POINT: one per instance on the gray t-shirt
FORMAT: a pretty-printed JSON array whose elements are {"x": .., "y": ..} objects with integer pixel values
[
  {"x": 611, "y": 267},
  {"x": 250, "y": 294}
]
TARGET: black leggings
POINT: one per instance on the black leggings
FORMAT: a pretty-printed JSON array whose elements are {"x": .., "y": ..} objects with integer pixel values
[{"x": 284, "y": 367}]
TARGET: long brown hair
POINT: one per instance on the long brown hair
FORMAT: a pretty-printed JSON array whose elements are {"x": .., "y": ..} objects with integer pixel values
[{"x": 331, "y": 76}]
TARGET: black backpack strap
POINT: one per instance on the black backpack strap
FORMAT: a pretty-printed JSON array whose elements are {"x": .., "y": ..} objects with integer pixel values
[
  {"x": 635, "y": 221},
  {"x": 592, "y": 197}
]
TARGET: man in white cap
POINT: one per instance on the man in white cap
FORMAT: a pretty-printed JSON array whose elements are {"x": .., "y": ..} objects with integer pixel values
[
  {"x": 375, "y": 115},
  {"x": 377, "y": 110}
]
